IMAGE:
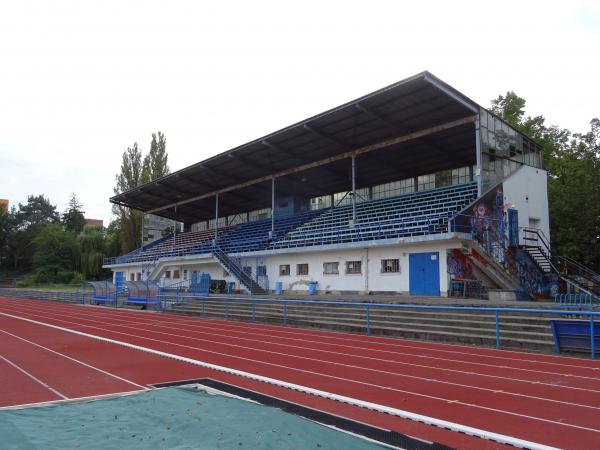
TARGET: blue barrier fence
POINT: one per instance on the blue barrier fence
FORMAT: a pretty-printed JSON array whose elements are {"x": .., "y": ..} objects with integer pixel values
[
  {"x": 227, "y": 301},
  {"x": 581, "y": 300},
  {"x": 84, "y": 295}
]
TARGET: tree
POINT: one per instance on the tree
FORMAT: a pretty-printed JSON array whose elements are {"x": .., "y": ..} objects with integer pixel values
[
  {"x": 156, "y": 161},
  {"x": 55, "y": 254},
  {"x": 136, "y": 171},
  {"x": 73, "y": 218},
  {"x": 130, "y": 177},
  {"x": 5, "y": 231},
  {"x": 28, "y": 221},
  {"x": 91, "y": 251}
]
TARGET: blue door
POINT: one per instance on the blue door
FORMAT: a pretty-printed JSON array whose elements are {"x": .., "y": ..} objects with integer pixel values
[
  {"x": 424, "y": 273},
  {"x": 119, "y": 279}
]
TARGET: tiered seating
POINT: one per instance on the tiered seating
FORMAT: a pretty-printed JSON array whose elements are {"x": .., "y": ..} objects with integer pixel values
[
  {"x": 182, "y": 244},
  {"x": 254, "y": 236},
  {"x": 411, "y": 214}
]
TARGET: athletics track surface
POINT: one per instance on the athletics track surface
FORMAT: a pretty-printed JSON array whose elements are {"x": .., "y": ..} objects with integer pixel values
[{"x": 544, "y": 399}]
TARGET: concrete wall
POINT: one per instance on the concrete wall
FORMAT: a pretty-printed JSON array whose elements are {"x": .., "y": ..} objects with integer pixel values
[{"x": 527, "y": 190}]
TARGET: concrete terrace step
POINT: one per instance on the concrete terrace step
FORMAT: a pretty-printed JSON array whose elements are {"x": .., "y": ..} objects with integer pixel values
[{"x": 474, "y": 332}]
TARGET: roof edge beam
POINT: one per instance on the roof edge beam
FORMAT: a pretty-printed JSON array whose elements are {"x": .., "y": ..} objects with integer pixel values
[
  {"x": 451, "y": 94},
  {"x": 358, "y": 151}
]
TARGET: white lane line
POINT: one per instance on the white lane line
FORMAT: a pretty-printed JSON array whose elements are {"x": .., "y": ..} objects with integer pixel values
[
  {"x": 76, "y": 360},
  {"x": 34, "y": 378},
  {"x": 321, "y": 374},
  {"x": 71, "y": 400},
  {"x": 435, "y": 358},
  {"x": 220, "y": 332},
  {"x": 333, "y": 363},
  {"x": 488, "y": 435},
  {"x": 376, "y": 341}
]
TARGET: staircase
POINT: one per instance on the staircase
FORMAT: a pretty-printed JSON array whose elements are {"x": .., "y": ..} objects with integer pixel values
[
  {"x": 236, "y": 270},
  {"x": 572, "y": 272}
]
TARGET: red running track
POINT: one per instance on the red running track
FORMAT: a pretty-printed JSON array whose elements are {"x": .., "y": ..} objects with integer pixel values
[{"x": 541, "y": 398}]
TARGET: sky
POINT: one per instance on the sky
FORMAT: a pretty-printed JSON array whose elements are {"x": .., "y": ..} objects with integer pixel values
[{"x": 80, "y": 81}]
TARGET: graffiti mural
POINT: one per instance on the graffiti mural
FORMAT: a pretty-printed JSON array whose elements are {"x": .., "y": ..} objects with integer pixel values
[
  {"x": 532, "y": 279},
  {"x": 459, "y": 266},
  {"x": 486, "y": 222}
]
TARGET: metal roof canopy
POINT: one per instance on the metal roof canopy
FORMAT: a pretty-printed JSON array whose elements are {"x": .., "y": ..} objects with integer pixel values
[{"x": 417, "y": 126}]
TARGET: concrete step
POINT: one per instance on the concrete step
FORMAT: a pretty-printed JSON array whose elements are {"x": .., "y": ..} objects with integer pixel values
[{"x": 517, "y": 335}]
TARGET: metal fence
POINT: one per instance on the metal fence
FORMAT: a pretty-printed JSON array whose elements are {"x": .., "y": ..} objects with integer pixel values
[{"x": 253, "y": 309}]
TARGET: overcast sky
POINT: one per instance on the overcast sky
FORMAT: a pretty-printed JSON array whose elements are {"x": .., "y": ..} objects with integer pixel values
[{"x": 80, "y": 81}]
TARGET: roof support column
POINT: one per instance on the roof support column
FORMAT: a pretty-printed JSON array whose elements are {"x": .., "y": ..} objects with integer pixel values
[
  {"x": 142, "y": 246},
  {"x": 353, "y": 189},
  {"x": 175, "y": 225},
  {"x": 478, "y": 172},
  {"x": 216, "y": 215},
  {"x": 272, "y": 207}
]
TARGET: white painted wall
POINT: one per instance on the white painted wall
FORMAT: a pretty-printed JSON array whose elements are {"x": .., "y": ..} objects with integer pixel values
[
  {"x": 527, "y": 191},
  {"x": 371, "y": 279}
]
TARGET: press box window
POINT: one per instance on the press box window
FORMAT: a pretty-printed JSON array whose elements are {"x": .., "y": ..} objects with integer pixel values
[
  {"x": 284, "y": 270},
  {"x": 353, "y": 267},
  {"x": 390, "y": 266},
  {"x": 301, "y": 269},
  {"x": 331, "y": 268}
]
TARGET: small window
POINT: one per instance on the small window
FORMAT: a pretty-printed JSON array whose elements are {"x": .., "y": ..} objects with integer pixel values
[
  {"x": 225, "y": 273},
  {"x": 168, "y": 274},
  {"x": 353, "y": 267},
  {"x": 139, "y": 276},
  {"x": 261, "y": 271},
  {"x": 331, "y": 268},
  {"x": 132, "y": 276},
  {"x": 176, "y": 274},
  {"x": 390, "y": 266},
  {"x": 248, "y": 270},
  {"x": 185, "y": 274},
  {"x": 301, "y": 269},
  {"x": 284, "y": 270}
]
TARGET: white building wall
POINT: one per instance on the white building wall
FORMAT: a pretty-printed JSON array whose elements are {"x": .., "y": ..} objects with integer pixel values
[{"x": 527, "y": 191}]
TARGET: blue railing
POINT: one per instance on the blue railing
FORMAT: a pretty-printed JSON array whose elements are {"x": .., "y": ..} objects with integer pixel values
[
  {"x": 228, "y": 301},
  {"x": 84, "y": 296},
  {"x": 580, "y": 300}
]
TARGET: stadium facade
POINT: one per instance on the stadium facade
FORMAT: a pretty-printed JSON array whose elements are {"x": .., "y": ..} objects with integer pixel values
[{"x": 412, "y": 189}]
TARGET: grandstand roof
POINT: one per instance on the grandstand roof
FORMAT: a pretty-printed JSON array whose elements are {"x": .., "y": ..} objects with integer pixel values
[{"x": 416, "y": 126}]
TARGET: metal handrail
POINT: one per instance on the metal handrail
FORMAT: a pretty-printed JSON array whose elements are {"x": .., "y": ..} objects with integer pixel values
[{"x": 368, "y": 306}]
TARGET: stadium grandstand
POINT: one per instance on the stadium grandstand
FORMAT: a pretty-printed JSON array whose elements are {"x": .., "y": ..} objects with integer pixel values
[{"x": 412, "y": 189}]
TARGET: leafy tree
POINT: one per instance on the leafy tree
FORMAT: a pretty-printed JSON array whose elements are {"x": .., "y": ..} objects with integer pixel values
[
  {"x": 73, "y": 218},
  {"x": 156, "y": 161},
  {"x": 136, "y": 171},
  {"x": 5, "y": 231},
  {"x": 91, "y": 251},
  {"x": 55, "y": 254},
  {"x": 28, "y": 221},
  {"x": 130, "y": 177}
]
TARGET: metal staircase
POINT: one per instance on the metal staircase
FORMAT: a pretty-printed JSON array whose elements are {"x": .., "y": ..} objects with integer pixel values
[
  {"x": 572, "y": 272},
  {"x": 231, "y": 266}
]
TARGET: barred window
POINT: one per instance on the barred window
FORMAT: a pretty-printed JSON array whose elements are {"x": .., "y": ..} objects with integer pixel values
[
  {"x": 301, "y": 269},
  {"x": 353, "y": 267},
  {"x": 331, "y": 268},
  {"x": 390, "y": 266},
  {"x": 284, "y": 270},
  {"x": 176, "y": 274}
]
